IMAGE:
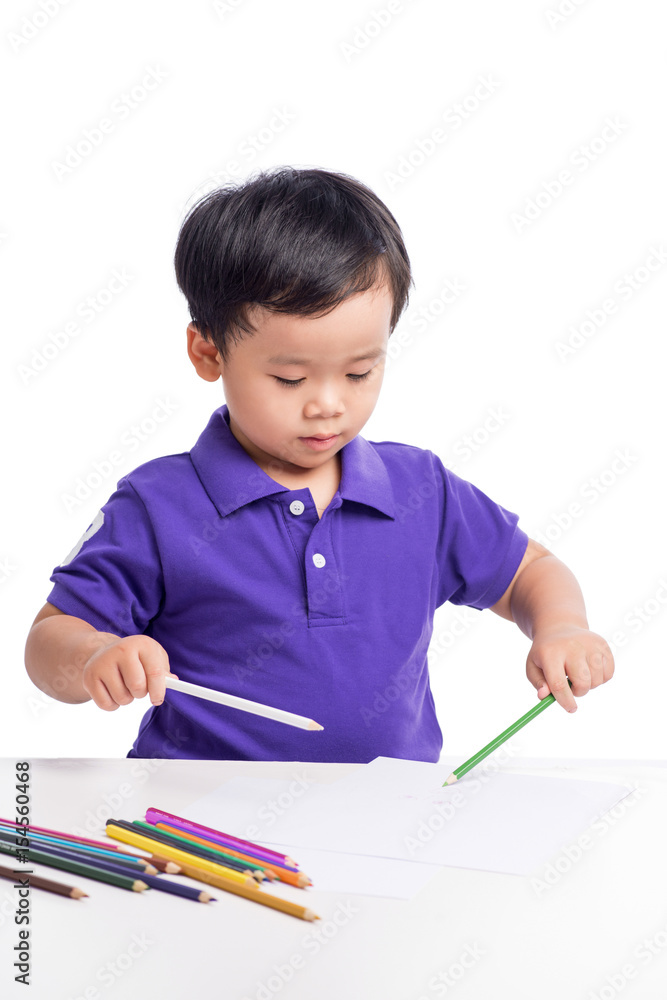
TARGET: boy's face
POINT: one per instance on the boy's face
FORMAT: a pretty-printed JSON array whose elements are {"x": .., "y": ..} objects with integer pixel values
[{"x": 301, "y": 387}]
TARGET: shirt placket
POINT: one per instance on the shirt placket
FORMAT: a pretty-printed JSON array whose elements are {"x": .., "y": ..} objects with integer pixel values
[{"x": 321, "y": 563}]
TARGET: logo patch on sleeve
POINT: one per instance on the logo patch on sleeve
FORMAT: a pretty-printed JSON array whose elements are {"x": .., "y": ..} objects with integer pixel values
[{"x": 88, "y": 533}]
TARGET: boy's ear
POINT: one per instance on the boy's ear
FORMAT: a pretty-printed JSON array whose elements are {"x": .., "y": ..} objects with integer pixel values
[{"x": 203, "y": 355}]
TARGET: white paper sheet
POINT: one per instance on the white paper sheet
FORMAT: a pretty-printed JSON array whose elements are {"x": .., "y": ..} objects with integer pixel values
[
  {"x": 398, "y": 809},
  {"x": 359, "y": 874},
  {"x": 247, "y": 806}
]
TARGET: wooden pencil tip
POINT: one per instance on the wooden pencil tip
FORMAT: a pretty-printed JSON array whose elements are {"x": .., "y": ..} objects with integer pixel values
[
  {"x": 451, "y": 779},
  {"x": 314, "y": 725}
]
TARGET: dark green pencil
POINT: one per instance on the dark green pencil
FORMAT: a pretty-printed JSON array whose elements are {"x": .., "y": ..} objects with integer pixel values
[
  {"x": 494, "y": 744},
  {"x": 209, "y": 853},
  {"x": 88, "y": 871}
]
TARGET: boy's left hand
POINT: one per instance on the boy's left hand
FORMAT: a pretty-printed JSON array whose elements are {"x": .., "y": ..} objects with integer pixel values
[{"x": 572, "y": 652}]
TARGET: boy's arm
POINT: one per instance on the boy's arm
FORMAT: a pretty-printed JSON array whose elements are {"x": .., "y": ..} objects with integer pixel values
[
  {"x": 73, "y": 662},
  {"x": 545, "y": 601}
]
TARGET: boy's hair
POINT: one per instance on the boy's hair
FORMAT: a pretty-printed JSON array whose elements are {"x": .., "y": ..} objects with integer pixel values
[{"x": 291, "y": 240}]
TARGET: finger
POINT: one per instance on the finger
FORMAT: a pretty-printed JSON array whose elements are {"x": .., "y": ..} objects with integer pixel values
[
  {"x": 578, "y": 671},
  {"x": 125, "y": 680},
  {"x": 155, "y": 667},
  {"x": 555, "y": 677},
  {"x": 98, "y": 691},
  {"x": 536, "y": 678},
  {"x": 560, "y": 689}
]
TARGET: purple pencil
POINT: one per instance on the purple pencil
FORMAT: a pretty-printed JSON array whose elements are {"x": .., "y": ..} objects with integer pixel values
[
  {"x": 155, "y": 816},
  {"x": 121, "y": 868}
]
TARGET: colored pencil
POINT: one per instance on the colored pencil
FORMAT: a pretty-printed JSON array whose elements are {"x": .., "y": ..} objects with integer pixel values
[
  {"x": 14, "y": 827},
  {"x": 177, "y": 889},
  {"x": 494, "y": 744},
  {"x": 87, "y": 871},
  {"x": 79, "y": 843},
  {"x": 227, "y": 843},
  {"x": 175, "y": 854},
  {"x": 164, "y": 885},
  {"x": 266, "y": 899},
  {"x": 84, "y": 850},
  {"x": 299, "y": 879},
  {"x": 154, "y": 815},
  {"x": 251, "y": 891},
  {"x": 232, "y": 701},
  {"x": 164, "y": 865},
  {"x": 117, "y": 866},
  {"x": 211, "y": 853},
  {"x": 37, "y": 882}
]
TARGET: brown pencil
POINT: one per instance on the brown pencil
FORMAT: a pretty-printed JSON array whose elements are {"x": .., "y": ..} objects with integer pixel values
[
  {"x": 37, "y": 882},
  {"x": 164, "y": 865}
]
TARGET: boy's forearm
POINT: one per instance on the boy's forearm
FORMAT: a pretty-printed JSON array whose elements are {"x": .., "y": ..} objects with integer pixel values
[
  {"x": 546, "y": 596},
  {"x": 56, "y": 652}
]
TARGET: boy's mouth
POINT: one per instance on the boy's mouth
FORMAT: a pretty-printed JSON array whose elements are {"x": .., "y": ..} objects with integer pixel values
[{"x": 320, "y": 442}]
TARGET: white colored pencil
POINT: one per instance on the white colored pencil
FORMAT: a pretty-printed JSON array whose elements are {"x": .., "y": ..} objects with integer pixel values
[{"x": 243, "y": 704}]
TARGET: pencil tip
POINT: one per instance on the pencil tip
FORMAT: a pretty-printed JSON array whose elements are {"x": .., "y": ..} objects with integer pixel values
[
  {"x": 315, "y": 725},
  {"x": 451, "y": 779}
]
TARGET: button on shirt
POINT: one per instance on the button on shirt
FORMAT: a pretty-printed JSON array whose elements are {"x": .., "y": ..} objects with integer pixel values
[{"x": 251, "y": 593}]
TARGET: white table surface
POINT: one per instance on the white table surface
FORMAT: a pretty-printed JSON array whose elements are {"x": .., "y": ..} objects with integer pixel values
[{"x": 598, "y": 932}]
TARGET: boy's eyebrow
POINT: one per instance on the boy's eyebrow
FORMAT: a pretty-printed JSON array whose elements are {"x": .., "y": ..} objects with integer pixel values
[{"x": 289, "y": 359}]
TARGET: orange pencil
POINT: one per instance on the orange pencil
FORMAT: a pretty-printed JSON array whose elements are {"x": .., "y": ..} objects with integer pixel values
[{"x": 293, "y": 878}]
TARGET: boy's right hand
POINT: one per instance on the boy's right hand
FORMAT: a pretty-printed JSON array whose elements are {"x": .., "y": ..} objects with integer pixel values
[{"x": 124, "y": 669}]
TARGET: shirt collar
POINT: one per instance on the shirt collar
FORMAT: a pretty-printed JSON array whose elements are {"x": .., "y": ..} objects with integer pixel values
[{"x": 233, "y": 479}]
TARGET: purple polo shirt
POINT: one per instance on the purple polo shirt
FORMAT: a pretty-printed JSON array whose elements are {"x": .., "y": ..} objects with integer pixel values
[{"x": 251, "y": 594}]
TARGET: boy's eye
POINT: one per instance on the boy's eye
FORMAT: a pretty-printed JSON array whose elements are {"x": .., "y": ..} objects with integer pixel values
[
  {"x": 287, "y": 381},
  {"x": 298, "y": 381}
]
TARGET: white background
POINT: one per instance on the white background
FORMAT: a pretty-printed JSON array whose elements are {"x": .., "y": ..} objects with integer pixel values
[{"x": 363, "y": 98}]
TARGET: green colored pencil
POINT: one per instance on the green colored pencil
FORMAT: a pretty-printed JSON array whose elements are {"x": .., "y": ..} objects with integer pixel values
[
  {"x": 88, "y": 871},
  {"x": 210, "y": 853},
  {"x": 494, "y": 744}
]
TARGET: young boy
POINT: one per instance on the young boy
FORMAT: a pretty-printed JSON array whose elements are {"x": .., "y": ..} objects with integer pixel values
[{"x": 286, "y": 559}]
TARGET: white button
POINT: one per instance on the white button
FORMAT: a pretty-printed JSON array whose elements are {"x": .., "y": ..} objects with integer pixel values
[
  {"x": 297, "y": 507},
  {"x": 319, "y": 560}
]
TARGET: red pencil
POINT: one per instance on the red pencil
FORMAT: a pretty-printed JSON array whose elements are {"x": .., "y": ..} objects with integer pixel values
[{"x": 56, "y": 833}]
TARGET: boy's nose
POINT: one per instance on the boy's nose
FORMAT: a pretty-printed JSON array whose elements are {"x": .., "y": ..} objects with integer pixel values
[{"x": 325, "y": 404}]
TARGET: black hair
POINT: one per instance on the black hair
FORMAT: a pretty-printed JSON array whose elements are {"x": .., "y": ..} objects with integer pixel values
[{"x": 291, "y": 240}]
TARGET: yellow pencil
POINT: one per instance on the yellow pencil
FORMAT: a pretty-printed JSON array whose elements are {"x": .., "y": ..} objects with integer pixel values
[
  {"x": 258, "y": 895},
  {"x": 219, "y": 876},
  {"x": 250, "y": 891},
  {"x": 175, "y": 854}
]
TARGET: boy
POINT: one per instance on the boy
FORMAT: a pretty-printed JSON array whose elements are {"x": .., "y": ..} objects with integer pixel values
[{"x": 285, "y": 558}]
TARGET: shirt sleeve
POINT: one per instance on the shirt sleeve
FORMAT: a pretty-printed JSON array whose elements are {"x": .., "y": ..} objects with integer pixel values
[
  {"x": 113, "y": 576},
  {"x": 479, "y": 547}
]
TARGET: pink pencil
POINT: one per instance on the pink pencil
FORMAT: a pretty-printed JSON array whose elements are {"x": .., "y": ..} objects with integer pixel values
[
  {"x": 56, "y": 833},
  {"x": 245, "y": 846}
]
